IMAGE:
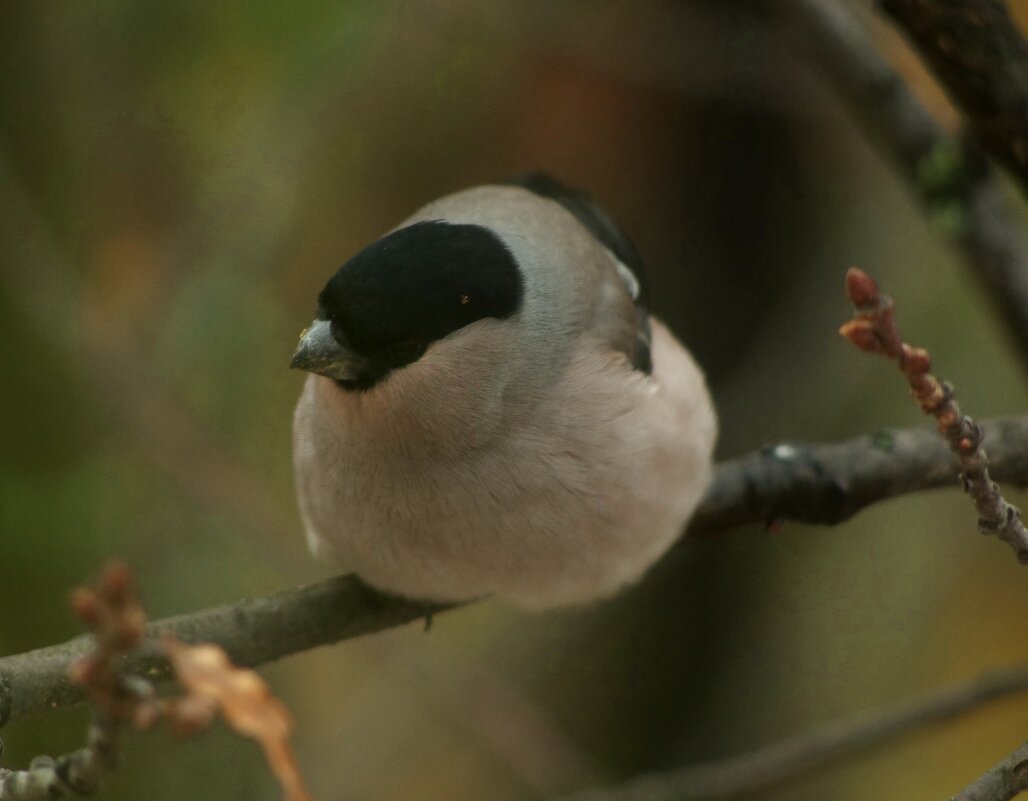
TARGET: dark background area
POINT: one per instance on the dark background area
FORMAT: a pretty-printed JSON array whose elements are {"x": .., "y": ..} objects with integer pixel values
[{"x": 177, "y": 181}]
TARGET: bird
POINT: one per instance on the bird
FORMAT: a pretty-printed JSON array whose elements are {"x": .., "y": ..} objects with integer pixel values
[{"x": 490, "y": 409}]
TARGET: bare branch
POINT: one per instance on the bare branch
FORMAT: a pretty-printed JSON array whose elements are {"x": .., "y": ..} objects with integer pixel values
[
  {"x": 978, "y": 54},
  {"x": 956, "y": 186},
  {"x": 252, "y": 632},
  {"x": 874, "y": 330},
  {"x": 113, "y": 613},
  {"x": 1000, "y": 782},
  {"x": 767, "y": 766},
  {"x": 77, "y": 773},
  {"x": 789, "y": 481},
  {"x": 829, "y": 483}
]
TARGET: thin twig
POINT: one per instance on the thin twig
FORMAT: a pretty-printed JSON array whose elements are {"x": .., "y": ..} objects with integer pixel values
[
  {"x": 977, "y": 52},
  {"x": 113, "y": 613},
  {"x": 874, "y": 330},
  {"x": 775, "y": 763},
  {"x": 1001, "y": 782},
  {"x": 77, "y": 773},
  {"x": 957, "y": 188},
  {"x": 715, "y": 780},
  {"x": 789, "y": 481}
]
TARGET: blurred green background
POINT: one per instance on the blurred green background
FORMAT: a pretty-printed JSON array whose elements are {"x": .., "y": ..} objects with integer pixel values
[{"x": 178, "y": 180}]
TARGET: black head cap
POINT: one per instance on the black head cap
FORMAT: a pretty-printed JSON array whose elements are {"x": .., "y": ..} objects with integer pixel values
[{"x": 414, "y": 286}]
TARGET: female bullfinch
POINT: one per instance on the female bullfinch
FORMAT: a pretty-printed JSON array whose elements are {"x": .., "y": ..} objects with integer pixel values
[{"x": 491, "y": 410}]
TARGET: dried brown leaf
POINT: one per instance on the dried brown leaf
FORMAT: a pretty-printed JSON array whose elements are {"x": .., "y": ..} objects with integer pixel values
[{"x": 245, "y": 702}]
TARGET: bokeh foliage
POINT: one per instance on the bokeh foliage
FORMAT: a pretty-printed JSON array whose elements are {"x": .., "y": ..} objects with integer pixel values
[{"x": 177, "y": 180}]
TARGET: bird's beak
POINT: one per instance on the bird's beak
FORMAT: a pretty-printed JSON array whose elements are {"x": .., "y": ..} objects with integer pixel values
[{"x": 318, "y": 352}]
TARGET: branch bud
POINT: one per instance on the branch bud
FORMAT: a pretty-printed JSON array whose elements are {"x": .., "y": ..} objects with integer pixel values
[
  {"x": 861, "y": 288},
  {"x": 861, "y": 334}
]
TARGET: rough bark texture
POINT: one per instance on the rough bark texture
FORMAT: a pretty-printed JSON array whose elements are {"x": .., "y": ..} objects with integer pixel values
[
  {"x": 1001, "y": 782},
  {"x": 827, "y": 484},
  {"x": 252, "y": 632},
  {"x": 979, "y": 55}
]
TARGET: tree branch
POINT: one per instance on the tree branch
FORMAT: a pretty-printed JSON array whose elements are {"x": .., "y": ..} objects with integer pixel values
[
  {"x": 829, "y": 483},
  {"x": 790, "y": 481},
  {"x": 955, "y": 185},
  {"x": 77, "y": 773},
  {"x": 252, "y": 632},
  {"x": 210, "y": 684},
  {"x": 976, "y": 51},
  {"x": 766, "y": 766},
  {"x": 873, "y": 330},
  {"x": 1000, "y": 782}
]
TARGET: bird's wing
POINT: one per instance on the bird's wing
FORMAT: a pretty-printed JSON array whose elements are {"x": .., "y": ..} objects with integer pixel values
[{"x": 629, "y": 264}]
